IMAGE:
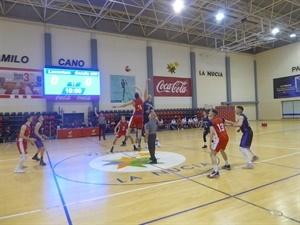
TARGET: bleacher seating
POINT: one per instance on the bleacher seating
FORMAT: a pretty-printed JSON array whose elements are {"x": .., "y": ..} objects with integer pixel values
[{"x": 12, "y": 121}]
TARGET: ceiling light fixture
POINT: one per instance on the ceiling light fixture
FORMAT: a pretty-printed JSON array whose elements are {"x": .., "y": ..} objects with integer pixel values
[
  {"x": 220, "y": 16},
  {"x": 178, "y": 5},
  {"x": 275, "y": 31},
  {"x": 293, "y": 35}
]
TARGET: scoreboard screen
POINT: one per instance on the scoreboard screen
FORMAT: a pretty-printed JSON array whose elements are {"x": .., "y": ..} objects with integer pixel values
[{"x": 61, "y": 81}]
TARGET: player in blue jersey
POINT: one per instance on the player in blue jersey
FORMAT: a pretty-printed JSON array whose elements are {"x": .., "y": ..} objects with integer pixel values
[
  {"x": 204, "y": 124},
  {"x": 40, "y": 138},
  {"x": 246, "y": 141},
  {"x": 148, "y": 108}
]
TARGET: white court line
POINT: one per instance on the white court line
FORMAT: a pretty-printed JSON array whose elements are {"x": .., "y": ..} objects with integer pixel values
[
  {"x": 3, "y": 160},
  {"x": 134, "y": 190}
]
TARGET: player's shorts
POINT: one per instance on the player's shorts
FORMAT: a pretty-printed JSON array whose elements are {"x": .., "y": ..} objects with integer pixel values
[
  {"x": 220, "y": 143},
  {"x": 146, "y": 118},
  {"x": 39, "y": 143},
  {"x": 22, "y": 147},
  {"x": 120, "y": 134},
  {"x": 246, "y": 140},
  {"x": 136, "y": 121},
  {"x": 206, "y": 132}
]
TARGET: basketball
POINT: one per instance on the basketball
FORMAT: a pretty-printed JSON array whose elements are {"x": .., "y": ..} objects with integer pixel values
[{"x": 127, "y": 69}]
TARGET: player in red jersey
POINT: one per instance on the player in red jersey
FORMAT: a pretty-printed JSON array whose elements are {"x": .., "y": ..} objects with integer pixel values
[
  {"x": 220, "y": 139},
  {"x": 122, "y": 125},
  {"x": 22, "y": 139},
  {"x": 136, "y": 119}
]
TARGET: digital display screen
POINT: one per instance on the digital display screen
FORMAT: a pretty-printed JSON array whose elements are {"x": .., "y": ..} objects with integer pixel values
[
  {"x": 287, "y": 87},
  {"x": 61, "y": 81}
]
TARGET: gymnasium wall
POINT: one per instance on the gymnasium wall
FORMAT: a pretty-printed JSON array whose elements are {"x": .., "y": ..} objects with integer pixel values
[
  {"x": 211, "y": 90},
  {"x": 22, "y": 40},
  {"x": 117, "y": 52},
  {"x": 70, "y": 45},
  {"x": 114, "y": 54},
  {"x": 164, "y": 54},
  {"x": 242, "y": 82},
  {"x": 274, "y": 64}
]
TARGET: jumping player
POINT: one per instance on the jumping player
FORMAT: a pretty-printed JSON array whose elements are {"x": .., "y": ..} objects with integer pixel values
[
  {"x": 247, "y": 137},
  {"x": 40, "y": 138},
  {"x": 219, "y": 134},
  {"x": 22, "y": 139},
  {"x": 148, "y": 108},
  {"x": 136, "y": 118},
  {"x": 122, "y": 125}
]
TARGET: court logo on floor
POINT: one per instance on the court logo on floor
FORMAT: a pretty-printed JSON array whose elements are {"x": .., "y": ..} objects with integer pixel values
[{"x": 136, "y": 161}]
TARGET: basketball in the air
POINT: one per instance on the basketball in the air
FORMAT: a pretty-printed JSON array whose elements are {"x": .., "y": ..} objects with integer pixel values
[{"x": 127, "y": 69}]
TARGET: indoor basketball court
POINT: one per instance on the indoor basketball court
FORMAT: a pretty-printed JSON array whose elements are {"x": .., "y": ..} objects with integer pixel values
[
  {"x": 76, "y": 75},
  {"x": 86, "y": 184}
]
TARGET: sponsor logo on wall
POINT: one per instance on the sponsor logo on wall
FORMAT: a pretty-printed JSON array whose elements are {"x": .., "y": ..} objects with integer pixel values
[
  {"x": 15, "y": 81},
  {"x": 72, "y": 98},
  {"x": 172, "y": 86},
  {"x": 286, "y": 87}
]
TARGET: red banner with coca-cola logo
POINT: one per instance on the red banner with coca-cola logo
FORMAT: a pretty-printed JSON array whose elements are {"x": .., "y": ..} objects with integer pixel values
[
  {"x": 72, "y": 98},
  {"x": 172, "y": 86}
]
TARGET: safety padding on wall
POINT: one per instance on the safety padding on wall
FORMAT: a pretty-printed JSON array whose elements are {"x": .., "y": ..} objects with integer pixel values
[{"x": 226, "y": 112}]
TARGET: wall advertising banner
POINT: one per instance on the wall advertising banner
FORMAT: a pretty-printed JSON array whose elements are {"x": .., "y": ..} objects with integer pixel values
[
  {"x": 122, "y": 88},
  {"x": 172, "y": 86},
  {"x": 287, "y": 87},
  {"x": 15, "y": 81}
]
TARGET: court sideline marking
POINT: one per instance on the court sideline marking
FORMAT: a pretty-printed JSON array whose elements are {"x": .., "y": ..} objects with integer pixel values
[
  {"x": 228, "y": 197},
  {"x": 60, "y": 193},
  {"x": 127, "y": 192}
]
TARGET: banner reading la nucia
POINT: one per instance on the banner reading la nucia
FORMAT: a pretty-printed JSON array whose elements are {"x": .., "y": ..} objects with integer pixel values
[{"x": 287, "y": 87}]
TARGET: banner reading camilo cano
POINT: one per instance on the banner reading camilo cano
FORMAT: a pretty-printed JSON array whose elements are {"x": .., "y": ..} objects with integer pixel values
[{"x": 172, "y": 86}]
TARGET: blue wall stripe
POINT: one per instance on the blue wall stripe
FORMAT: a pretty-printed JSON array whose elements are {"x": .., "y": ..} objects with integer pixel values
[
  {"x": 94, "y": 54},
  {"x": 194, "y": 79},
  {"x": 256, "y": 90},
  {"x": 150, "y": 71},
  {"x": 228, "y": 78}
]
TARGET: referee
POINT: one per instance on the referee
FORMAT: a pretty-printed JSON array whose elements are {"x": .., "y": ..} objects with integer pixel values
[
  {"x": 102, "y": 124},
  {"x": 151, "y": 128}
]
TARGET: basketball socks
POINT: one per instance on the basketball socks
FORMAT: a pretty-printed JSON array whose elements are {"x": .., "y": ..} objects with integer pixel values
[
  {"x": 112, "y": 148},
  {"x": 42, "y": 163},
  {"x": 21, "y": 164},
  {"x": 35, "y": 157},
  {"x": 157, "y": 142},
  {"x": 251, "y": 151},
  {"x": 215, "y": 166},
  {"x": 226, "y": 162},
  {"x": 245, "y": 154}
]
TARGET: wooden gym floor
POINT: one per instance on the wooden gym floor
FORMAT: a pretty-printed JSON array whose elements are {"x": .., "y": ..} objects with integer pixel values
[{"x": 84, "y": 184}]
